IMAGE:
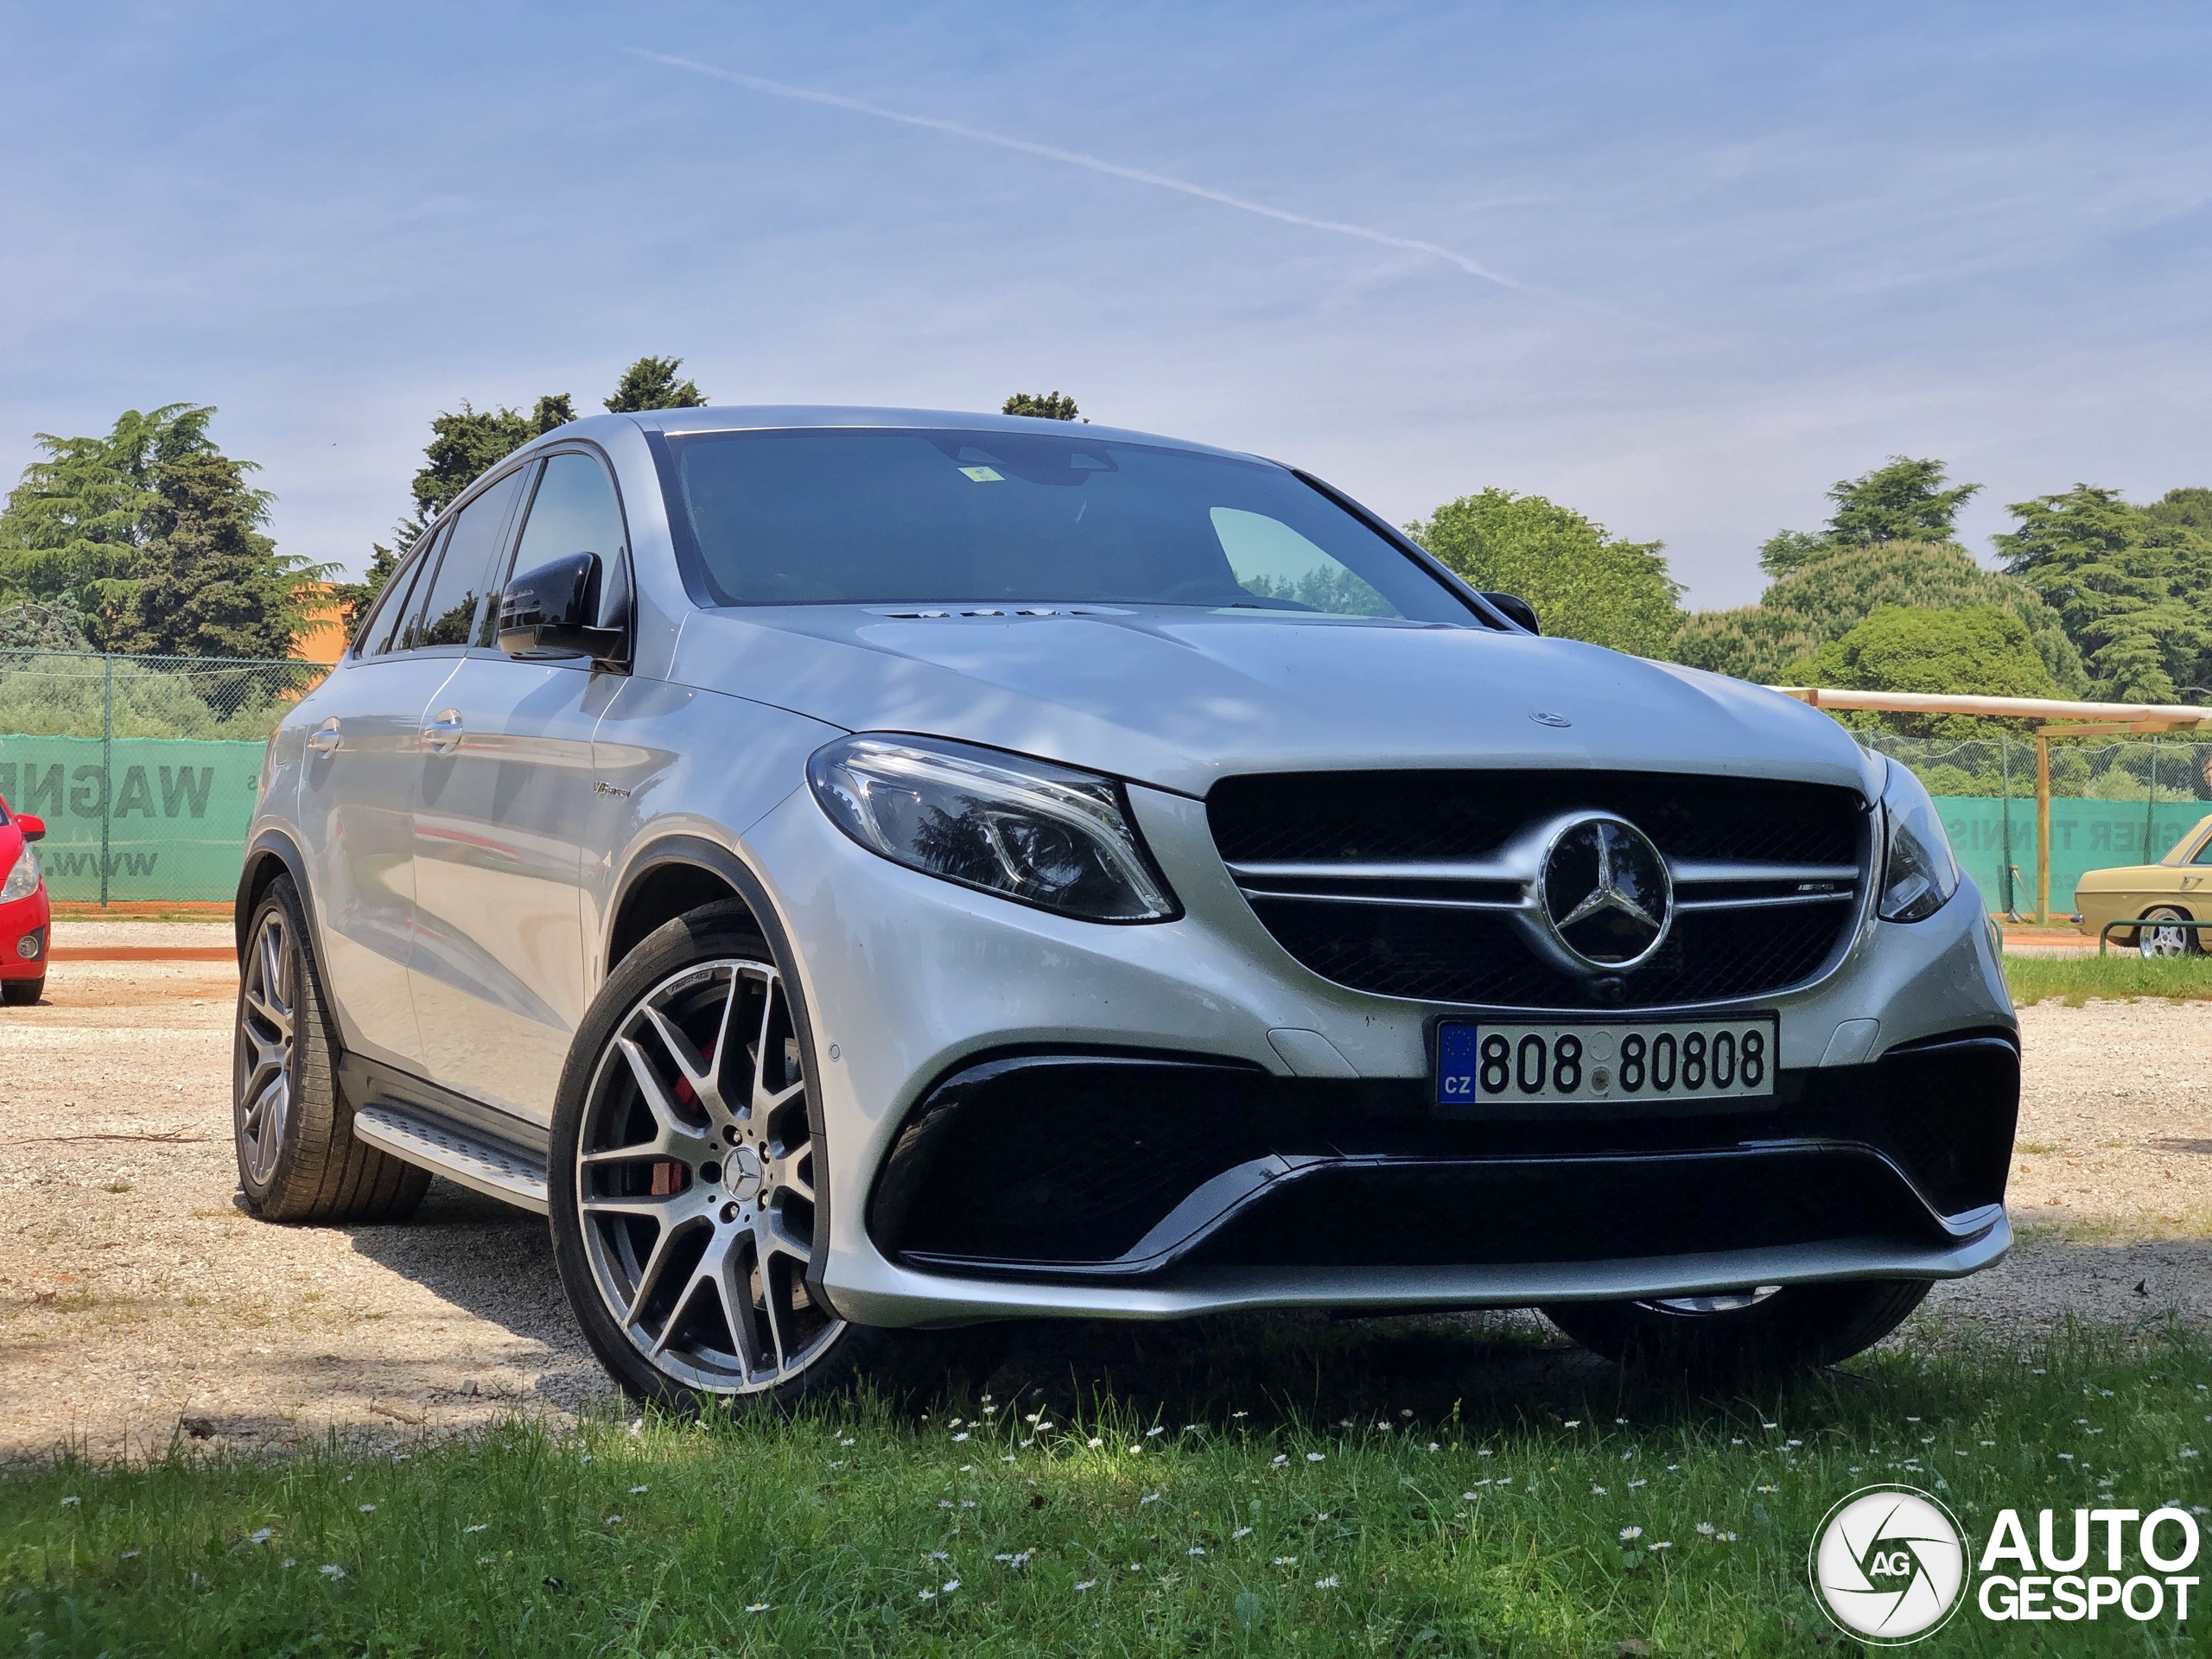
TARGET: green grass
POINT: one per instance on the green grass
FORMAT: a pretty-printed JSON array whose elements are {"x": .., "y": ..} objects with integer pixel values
[
  {"x": 2122, "y": 974},
  {"x": 1243, "y": 1525}
]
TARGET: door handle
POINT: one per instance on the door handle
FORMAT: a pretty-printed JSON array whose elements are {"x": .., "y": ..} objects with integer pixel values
[
  {"x": 442, "y": 735},
  {"x": 325, "y": 738}
]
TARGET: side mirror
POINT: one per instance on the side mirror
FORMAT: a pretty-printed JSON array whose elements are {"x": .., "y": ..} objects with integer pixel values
[
  {"x": 1516, "y": 609},
  {"x": 33, "y": 829},
  {"x": 553, "y": 611}
]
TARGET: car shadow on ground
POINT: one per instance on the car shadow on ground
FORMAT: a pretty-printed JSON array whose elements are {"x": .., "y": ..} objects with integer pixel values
[
  {"x": 495, "y": 1263},
  {"x": 1489, "y": 1371}
]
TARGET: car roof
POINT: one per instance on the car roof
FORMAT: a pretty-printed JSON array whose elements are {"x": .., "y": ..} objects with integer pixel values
[{"x": 789, "y": 417}]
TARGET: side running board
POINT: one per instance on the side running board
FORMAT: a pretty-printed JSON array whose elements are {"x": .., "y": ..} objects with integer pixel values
[{"x": 489, "y": 1169}]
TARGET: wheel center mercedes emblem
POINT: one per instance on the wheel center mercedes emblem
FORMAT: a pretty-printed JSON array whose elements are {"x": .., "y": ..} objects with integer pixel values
[
  {"x": 1606, "y": 893},
  {"x": 743, "y": 1173}
]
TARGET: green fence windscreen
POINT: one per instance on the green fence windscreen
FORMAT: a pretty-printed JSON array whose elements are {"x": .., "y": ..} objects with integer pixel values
[
  {"x": 174, "y": 827},
  {"x": 2085, "y": 834}
]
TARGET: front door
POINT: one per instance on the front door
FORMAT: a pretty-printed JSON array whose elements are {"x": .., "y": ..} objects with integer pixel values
[{"x": 497, "y": 968}]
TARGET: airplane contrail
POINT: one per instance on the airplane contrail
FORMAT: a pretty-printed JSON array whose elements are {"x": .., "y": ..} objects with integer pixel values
[{"x": 1077, "y": 158}]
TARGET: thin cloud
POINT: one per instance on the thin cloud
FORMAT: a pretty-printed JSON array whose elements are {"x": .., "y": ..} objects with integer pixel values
[{"x": 1075, "y": 158}]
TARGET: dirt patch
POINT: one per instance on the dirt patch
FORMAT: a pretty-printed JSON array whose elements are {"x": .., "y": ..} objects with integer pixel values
[{"x": 139, "y": 1302}]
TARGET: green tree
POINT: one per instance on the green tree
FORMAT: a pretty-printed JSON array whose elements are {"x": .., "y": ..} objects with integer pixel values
[
  {"x": 1052, "y": 406},
  {"x": 2123, "y": 583},
  {"x": 74, "y": 530},
  {"x": 1982, "y": 649},
  {"x": 1901, "y": 501},
  {"x": 650, "y": 382},
  {"x": 210, "y": 584},
  {"x": 462, "y": 445},
  {"x": 1583, "y": 583},
  {"x": 1825, "y": 597}
]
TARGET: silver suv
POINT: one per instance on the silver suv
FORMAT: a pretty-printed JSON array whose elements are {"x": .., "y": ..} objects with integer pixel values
[{"x": 863, "y": 870}]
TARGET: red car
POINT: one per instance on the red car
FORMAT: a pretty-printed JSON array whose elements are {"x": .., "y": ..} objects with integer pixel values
[{"x": 26, "y": 919}]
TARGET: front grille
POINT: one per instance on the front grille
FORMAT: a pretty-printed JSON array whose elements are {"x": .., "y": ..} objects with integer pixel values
[{"x": 1417, "y": 885}]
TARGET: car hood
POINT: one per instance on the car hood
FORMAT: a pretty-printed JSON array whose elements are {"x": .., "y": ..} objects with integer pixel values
[{"x": 1177, "y": 698}]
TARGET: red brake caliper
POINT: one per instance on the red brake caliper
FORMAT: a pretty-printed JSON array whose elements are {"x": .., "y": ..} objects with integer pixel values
[{"x": 669, "y": 1176}]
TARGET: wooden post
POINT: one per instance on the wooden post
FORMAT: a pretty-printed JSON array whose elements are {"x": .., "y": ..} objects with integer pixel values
[{"x": 2043, "y": 830}]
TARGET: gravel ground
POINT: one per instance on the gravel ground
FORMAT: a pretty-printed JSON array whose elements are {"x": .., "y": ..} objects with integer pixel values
[{"x": 137, "y": 1301}]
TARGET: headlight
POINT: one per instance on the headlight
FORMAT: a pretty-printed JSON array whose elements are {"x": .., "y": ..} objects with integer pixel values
[
  {"x": 1043, "y": 835},
  {"x": 22, "y": 880},
  {"x": 1919, "y": 875}
]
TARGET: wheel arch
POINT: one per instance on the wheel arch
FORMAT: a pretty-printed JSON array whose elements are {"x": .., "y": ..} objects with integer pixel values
[
  {"x": 272, "y": 853},
  {"x": 679, "y": 873}
]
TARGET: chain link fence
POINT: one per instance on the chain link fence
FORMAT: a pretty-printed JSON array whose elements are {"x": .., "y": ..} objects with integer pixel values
[
  {"x": 2112, "y": 803},
  {"x": 144, "y": 768}
]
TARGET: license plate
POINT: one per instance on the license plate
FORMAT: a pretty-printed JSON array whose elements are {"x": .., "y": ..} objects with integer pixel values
[{"x": 1482, "y": 1067}]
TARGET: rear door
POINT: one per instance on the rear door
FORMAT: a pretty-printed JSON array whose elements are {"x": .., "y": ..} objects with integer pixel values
[
  {"x": 497, "y": 967},
  {"x": 357, "y": 789}
]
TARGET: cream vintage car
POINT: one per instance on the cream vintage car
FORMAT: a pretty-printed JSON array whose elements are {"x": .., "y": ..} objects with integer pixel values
[{"x": 2177, "y": 888}]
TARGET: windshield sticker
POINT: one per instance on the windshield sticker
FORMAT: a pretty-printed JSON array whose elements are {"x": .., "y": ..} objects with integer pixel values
[{"x": 985, "y": 474}]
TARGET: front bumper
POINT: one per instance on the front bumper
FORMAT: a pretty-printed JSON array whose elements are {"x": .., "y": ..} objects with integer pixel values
[
  {"x": 914, "y": 983},
  {"x": 25, "y": 918}
]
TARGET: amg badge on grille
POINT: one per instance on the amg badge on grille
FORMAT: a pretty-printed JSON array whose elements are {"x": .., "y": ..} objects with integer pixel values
[{"x": 1606, "y": 893}]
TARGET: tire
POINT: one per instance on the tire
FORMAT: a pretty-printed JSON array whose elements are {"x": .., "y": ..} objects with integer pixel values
[
  {"x": 22, "y": 993},
  {"x": 681, "y": 1188},
  {"x": 1746, "y": 1333},
  {"x": 292, "y": 1126},
  {"x": 2154, "y": 942}
]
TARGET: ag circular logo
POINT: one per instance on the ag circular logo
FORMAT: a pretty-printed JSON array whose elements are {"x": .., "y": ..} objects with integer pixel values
[
  {"x": 1606, "y": 893},
  {"x": 1890, "y": 1565}
]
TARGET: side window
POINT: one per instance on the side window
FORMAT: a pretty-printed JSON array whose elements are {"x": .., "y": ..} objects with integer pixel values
[
  {"x": 2203, "y": 855},
  {"x": 377, "y": 639},
  {"x": 447, "y": 617},
  {"x": 573, "y": 511}
]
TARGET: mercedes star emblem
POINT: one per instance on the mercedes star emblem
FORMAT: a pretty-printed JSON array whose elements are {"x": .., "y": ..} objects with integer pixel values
[{"x": 1606, "y": 893}]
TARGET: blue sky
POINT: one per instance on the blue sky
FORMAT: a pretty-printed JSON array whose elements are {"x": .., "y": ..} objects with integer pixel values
[{"x": 1737, "y": 252}]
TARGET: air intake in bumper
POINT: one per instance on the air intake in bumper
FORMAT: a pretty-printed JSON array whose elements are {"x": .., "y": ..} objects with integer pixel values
[{"x": 1114, "y": 1168}]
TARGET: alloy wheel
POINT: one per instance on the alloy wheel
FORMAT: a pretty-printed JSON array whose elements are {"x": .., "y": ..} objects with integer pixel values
[
  {"x": 2165, "y": 941},
  {"x": 266, "y": 1000},
  {"x": 1728, "y": 1302},
  {"x": 695, "y": 1182}
]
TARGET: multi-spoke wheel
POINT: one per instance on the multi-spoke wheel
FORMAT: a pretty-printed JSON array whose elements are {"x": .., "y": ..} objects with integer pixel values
[
  {"x": 297, "y": 1157},
  {"x": 1758, "y": 1329},
  {"x": 2166, "y": 941},
  {"x": 684, "y": 1174}
]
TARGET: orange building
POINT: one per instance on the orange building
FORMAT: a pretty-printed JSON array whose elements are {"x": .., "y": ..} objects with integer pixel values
[{"x": 323, "y": 640}]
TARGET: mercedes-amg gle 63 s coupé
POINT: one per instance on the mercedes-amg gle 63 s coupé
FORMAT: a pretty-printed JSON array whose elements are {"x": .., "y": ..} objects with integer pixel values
[{"x": 861, "y": 872}]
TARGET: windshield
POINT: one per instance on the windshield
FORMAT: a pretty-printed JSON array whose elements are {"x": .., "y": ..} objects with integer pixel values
[{"x": 873, "y": 516}]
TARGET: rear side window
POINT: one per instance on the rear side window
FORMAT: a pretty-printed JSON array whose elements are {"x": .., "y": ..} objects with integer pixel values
[
  {"x": 573, "y": 511},
  {"x": 447, "y": 617},
  {"x": 383, "y": 624}
]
